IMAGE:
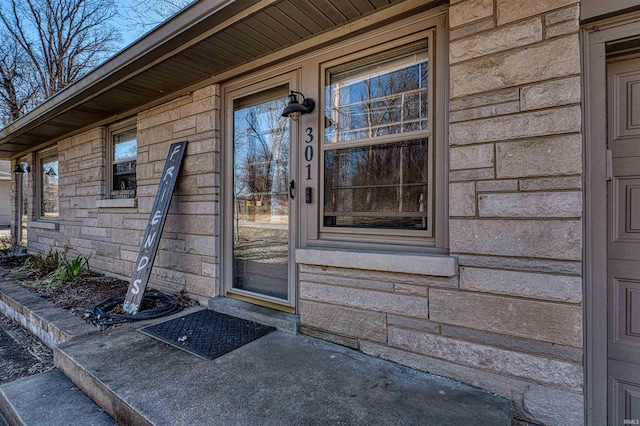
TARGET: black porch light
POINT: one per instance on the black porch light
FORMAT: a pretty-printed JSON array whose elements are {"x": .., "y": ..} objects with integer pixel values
[
  {"x": 18, "y": 170},
  {"x": 295, "y": 109}
]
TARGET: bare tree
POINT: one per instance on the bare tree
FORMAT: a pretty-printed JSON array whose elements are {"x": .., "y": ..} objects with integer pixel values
[
  {"x": 59, "y": 40},
  {"x": 18, "y": 90},
  {"x": 147, "y": 14}
]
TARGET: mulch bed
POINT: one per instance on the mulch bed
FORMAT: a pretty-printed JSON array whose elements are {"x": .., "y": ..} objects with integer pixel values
[{"x": 78, "y": 294}]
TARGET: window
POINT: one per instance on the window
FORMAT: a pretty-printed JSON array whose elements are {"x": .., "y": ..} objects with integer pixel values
[
  {"x": 48, "y": 188},
  {"x": 123, "y": 151},
  {"x": 377, "y": 144}
]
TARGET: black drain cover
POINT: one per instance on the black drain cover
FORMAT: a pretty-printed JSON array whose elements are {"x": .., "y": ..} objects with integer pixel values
[{"x": 207, "y": 333}]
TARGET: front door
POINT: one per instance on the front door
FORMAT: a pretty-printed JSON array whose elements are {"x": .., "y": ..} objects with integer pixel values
[
  {"x": 623, "y": 250},
  {"x": 260, "y": 215}
]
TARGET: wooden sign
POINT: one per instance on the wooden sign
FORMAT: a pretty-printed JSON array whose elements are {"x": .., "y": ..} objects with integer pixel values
[{"x": 154, "y": 228}]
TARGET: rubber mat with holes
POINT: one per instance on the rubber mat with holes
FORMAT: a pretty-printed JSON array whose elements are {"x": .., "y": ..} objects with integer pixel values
[{"x": 207, "y": 333}]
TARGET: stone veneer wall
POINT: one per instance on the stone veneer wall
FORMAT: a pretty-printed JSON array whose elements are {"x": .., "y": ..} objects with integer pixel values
[
  {"x": 187, "y": 256},
  {"x": 511, "y": 320}
]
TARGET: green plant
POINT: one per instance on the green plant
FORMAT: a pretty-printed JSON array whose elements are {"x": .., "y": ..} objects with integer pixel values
[{"x": 66, "y": 270}]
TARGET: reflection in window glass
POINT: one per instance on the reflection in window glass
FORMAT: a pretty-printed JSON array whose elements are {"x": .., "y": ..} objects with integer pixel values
[
  {"x": 49, "y": 187},
  {"x": 386, "y": 96},
  {"x": 380, "y": 107},
  {"x": 125, "y": 151},
  {"x": 382, "y": 186}
]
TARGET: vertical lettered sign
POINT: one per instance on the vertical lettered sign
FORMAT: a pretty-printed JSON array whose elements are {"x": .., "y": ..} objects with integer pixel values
[{"x": 154, "y": 228}]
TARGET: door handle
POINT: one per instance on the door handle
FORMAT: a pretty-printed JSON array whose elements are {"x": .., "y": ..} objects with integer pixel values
[{"x": 292, "y": 186}]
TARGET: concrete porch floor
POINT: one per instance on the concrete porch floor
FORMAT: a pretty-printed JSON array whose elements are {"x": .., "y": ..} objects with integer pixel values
[
  {"x": 282, "y": 378},
  {"x": 278, "y": 379}
]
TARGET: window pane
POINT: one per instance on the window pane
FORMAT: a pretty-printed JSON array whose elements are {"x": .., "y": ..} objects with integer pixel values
[
  {"x": 380, "y": 186},
  {"x": 49, "y": 187},
  {"x": 386, "y": 95},
  {"x": 125, "y": 151}
]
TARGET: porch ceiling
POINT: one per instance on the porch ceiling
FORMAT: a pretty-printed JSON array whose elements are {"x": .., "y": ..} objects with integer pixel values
[{"x": 206, "y": 39}]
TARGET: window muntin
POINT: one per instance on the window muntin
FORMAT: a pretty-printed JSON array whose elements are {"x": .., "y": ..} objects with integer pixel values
[
  {"x": 49, "y": 185},
  {"x": 123, "y": 155},
  {"x": 377, "y": 148},
  {"x": 386, "y": 95}
]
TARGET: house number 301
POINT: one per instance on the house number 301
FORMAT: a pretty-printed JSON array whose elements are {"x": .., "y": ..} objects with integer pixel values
[{"x": 308, "y": 151}]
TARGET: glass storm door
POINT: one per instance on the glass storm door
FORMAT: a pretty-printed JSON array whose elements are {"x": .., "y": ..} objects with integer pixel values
[{"x": 261, "y": 196}]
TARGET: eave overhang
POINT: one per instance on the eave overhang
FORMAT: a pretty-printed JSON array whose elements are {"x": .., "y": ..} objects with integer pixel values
[{"x": 208, "y": 38}]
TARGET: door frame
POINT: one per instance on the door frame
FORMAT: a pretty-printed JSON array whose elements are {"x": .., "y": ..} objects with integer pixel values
[
  {"x": 594, "y": 37},
  {"x": 229, "y": 92}
]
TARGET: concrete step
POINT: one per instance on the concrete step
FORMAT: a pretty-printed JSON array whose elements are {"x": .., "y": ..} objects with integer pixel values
[
  {"x": 289, "y": 323},
  {"x": 278, "y": 379},
  {"x": 49, "y": 399}
]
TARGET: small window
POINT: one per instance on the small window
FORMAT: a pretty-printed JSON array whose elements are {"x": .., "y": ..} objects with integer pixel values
[
  {"x": 48, "y": 188},
  {"x": 123, "y": 151},
  {"x": 377, "y": 143}
]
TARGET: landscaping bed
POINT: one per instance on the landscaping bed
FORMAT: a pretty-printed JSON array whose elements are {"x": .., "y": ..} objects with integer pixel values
[{"x": 76, "y": 294}]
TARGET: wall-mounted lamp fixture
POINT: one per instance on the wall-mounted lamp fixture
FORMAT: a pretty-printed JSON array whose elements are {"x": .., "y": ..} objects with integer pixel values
[
  {"x": 295, "y": 109},
  {"x": 51, "y": 172},
  {"x": 18, "y": 170}
]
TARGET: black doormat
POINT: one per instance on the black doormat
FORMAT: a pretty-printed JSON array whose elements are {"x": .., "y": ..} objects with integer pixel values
[{"x": 207, "y": 333}]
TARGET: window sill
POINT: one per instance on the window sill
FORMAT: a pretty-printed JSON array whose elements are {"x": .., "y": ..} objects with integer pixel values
[
  {"x": 44, "y": 225},
  {"x": 117, "y": 203},
  {"x": 421, "y": 264}
]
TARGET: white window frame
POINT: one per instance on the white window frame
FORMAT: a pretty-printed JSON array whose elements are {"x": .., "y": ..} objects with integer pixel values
[{"x": 112, "y": 131}]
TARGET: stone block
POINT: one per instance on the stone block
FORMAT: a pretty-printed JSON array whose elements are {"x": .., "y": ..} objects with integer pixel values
[
  {"x": 207, "y": 91},
  {"x": 567, "y": 406},
  {"x": 490, "y": 98},
  {"x": 550, "y": 94},
  {"x": 497, "y": 185},
  {"x": 513, "y": 10},
  {"x": 344, "y": 321},
  {"x": 569, "y": 27},
  {"x": 537, "y": 320},
  {"x": 542, "y": 405},
  {"x": 533, "y": 204},
  {"x": 364, "y": 276},
  {"x": 210, "y": 269},
  {"x": 412, "y": 323},
  {"x": 543, "y": 370},
  {"x": 207, "y": 121},
  {"x": 555, "y": 58},
  {"x": 474, "y": 28},
  {"x": 462, "y": 199},
  {"x": 412, "y": 290},
  {"x": 560, "y": 288},
  {"x": 571, "y": 13},
  {"x": 199, "y": 106},
  {"x": 534, "y": 265},
  {"x": 366, "y": 299},
  {"x": 471, "y": 174},
  {"x": 469, "y": 11},
  {"x": 184, "y": 124},
  {"x": 501, "y": 39},
  {"x": 363, "y": 282},
  {"x": 524, "y": 125},
  {"x": 547, "y": 350},
  {"x": 471, "y": 157},
  {"x": 200, "y": 244},
  {"x": 330, "y": 337},
  {"x": 557, "y": 155},
  {"x": 547, "y": 239},
  {"x": 544, "y": 184},
  {"x": 484, "y": 112},
  {"x": 161, "y": 118}
]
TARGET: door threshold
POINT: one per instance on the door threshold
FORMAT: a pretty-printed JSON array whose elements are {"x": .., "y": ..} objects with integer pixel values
[{"x": 283, "y": 321}]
